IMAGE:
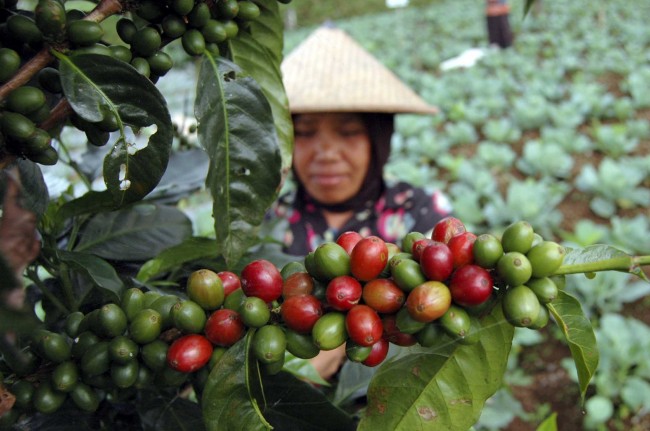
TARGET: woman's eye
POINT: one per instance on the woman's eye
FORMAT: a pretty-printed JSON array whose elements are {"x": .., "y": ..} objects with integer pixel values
[
  {"x": 303, "y": 133},
  {"x": 351, "y": 132}
]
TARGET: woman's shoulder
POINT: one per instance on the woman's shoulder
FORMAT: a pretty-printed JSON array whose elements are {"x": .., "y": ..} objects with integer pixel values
[{"x": 404, "y": 195}]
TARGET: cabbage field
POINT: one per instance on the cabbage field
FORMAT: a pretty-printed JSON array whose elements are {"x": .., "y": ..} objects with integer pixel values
[{"x": 554, "y": 130}]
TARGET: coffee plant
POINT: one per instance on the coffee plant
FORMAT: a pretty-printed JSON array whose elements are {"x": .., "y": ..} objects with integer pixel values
[{"x": 114, "y": 316}]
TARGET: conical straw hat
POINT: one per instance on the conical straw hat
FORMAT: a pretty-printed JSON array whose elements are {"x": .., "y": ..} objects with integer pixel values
[{"x": 331, "y": 72}]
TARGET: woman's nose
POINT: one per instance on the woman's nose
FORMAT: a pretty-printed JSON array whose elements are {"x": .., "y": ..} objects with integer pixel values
[{"x": 327, "y": 146}]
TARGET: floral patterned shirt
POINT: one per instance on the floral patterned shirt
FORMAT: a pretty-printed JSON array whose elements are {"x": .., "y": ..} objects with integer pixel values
[{"x": 401, "y": 209}]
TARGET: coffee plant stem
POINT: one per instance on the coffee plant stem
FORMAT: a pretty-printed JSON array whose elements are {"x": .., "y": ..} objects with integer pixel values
[
  {"x": 66, "y": 285},
  {"x": 60, "y": 112},
  {"x": 619, "y": 263},
  {"x": 75, "y": 166},
  {"x": 104, "y": 9},
  {"x": 27, "y": 72},
  {"x": 31, "y": 274}
]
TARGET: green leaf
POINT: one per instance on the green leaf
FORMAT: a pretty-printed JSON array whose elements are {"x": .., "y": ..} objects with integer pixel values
[
  {"x": 230, "y": 397},
  {"x": 161, "y": 411},
  {"x": 302, "y": 369},
  {"x": 527, "y": 6},
  {"x": 441, "y": 388},
  {"x": 91, "y": 202},
  {"x": 549, "y": 424},
  {"x": 97, "y": 269},
  {"x": 579, "y": 334},
  {"x": 235, "y": 126},
  {"x": 189, "y": 250},
  {"x": 96, "y": 85},
  {"x": 261, "y": 56},
  {"x": 293, "y": 404},
  {"x": 138, "y": 232}
]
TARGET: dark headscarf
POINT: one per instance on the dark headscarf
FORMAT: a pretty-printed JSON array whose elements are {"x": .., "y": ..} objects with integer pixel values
[{"x": 380, "y": 130}]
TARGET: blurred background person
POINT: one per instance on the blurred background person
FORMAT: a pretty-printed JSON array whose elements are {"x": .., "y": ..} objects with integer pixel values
[{"x": 497, "y": 14}]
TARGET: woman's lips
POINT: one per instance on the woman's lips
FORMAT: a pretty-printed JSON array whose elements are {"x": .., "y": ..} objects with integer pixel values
[{"x": 328, "y": 180}]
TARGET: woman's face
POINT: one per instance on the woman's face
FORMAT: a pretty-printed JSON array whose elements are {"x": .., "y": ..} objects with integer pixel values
[{"x": 331, "y": 155}]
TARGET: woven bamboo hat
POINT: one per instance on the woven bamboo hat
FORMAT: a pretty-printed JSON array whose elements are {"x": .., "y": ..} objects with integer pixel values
[{"x": 330, "y": 72}]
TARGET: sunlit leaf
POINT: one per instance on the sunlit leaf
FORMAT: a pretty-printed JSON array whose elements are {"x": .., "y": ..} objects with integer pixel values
[
  {"x": 230, "y": 400},
  {"x": 579, "y": 334},
  {"x": 235, "y": 126},
  {"x": 266, "y": 43},
  {"x": 441, "y": 388},
  {"x": 549, "y": 424},
  {"x": 191, "y": 249},
  {"x": 96, "y": 85}
]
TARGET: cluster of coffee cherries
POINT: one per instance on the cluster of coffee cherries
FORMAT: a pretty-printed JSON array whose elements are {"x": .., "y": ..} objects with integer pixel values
[
  {"x": 360, "y": 293},
  {"x": 145, "y": 28}
]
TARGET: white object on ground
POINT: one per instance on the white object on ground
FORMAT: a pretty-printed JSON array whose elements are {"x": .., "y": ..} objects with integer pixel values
[{"x": 467, "y": 58}]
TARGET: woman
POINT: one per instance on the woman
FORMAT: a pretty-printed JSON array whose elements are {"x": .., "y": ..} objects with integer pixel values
[{"x": 343, "y": 103}]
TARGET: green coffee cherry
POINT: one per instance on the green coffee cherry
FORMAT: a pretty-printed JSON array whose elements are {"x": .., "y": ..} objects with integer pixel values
[
  {"x": 50, "y": 18},
  {"x": 150, "y": 10},
  {"x": 182, "y": 7},
  {"x": 199, "y": 15},
  {"x": 214, "y": 31},
  {"x": 232, "y": 29},
  {"x": 145, "y": 326},
  {"x": 193, "y": 42},
  {"x": 72, "y": 323},
  {"x": 65, "y": 376},
  {"x": 37, "y": 143},
  {"x": 125, "y": 375},
  {"x": 50, "y": 80},
  {"x": 46, "y": 399},
  {"x": 112, "y": 320},
  {"x": 154, "y": 355},
  {"x": 9, "y": 63},
  {"x": 96, "y": 360},
  {"x": 518, "y": 237},
  {"x": 98, "y": 49},
  {"x": 47, "y": 157},
  {"x": 141, "y": 65},
  {"x": 248, "y": 10},
  {"x": 122, "y": 349},
  {"x": 269, "y": 344},
  {"x": 121, "y": 53},
  {"x": 85, "y": 397},
  {"x": 227, "y": 9},
  {"x": 173, "y": 26},
  {"x": 16, "y": 126},
  {"x": 521, "y": 306},
  {"x": 84, "y": 32},
  {"x": 132, "y": 302},
  {"x": 160, "y": 63},
  {"x": 545, "y": 258},
  {"x": 146, "y": 41},
  {"x": 23, "y": 390},
  {"x": 24, "y": 29},
  {"x": 126, "y": 29}
]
